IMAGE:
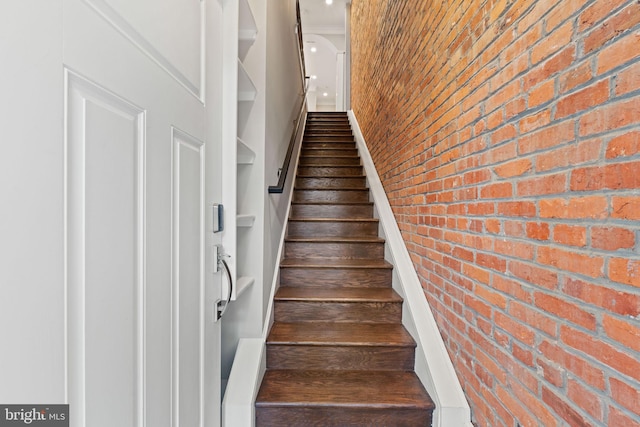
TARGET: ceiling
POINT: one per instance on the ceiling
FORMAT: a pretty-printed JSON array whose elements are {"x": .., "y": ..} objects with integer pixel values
[{"x": 323, "y": 27}]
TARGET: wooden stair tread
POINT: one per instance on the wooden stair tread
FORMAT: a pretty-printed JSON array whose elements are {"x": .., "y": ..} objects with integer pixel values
[
  {"x": 334, "y": 219},
  {"x": 375, "y": 389},
  {"x": 337, "y": 294},
  {"x": 336, "y": 239},
  {"x": 337, "y": 202},
  {"x": 334, "y": 263},
  {"x": 351, "y": 334}
]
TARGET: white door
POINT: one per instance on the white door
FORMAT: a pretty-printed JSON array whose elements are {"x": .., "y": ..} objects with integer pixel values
[{"x": 114, "y": 183}]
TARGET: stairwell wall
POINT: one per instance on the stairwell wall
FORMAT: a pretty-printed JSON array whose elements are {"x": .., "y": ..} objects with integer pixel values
[{"x": 507, "y": 137}]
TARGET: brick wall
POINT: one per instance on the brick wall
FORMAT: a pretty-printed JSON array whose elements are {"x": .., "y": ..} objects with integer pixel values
[{"x": 507, "y": 136}]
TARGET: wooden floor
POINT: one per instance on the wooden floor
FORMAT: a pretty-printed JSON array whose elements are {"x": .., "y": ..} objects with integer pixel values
[{"x": 337, "y": 354}]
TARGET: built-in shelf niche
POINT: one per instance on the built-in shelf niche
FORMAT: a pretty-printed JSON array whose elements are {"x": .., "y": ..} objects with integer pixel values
[
  {"x": 246, "y": 88},
  {"x": 245, "y": 220},
  {"x": 246, "y": 155}
]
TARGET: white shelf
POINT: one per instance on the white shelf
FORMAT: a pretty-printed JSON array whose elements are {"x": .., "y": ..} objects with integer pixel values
[
  {"x": 245, "y": 41},
  {"x": 246, "y": 155},
  {"x": 246, "y": 21},
  {"x": 245, "y": 220},
  {"x": 246, "y": 88},
  {"x": 243, "y": 284}
]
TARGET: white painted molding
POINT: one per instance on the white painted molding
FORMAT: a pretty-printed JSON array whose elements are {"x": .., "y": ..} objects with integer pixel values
[
  {"x": 433, "y": 365},
  {"x": 119, "y": 23}
]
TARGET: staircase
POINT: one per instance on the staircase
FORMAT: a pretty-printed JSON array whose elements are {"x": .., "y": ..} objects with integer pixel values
[{"x": 337, "y": 353}]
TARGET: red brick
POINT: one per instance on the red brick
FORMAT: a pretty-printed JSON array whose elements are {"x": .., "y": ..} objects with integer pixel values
[
  {"x": 575, "y": 77},
  {"x": 505, "y": 133},
  {"x": 552, "y": 43},
  {"x": 610, "y": 117},
  {"x": 570, "y": 235},
  {"x": 625, "y": 207},
  {"x": 551, "y": 136},
  {"x": 541, "y": 94},
  {"x": 571, "y": 261},
  {"x": 533, "y": 318},
  {"x": 583, "y": 99},
  {"x": 569, "y": 155},
  {"x": 549, "y": 184},
  {"x": 511, "y": 287},
  {"x": 597, "y": 12},
  {"x": 618, "y": 419},
  {"x": 551, "y": 372},
  {"x": 585, "y": 399},
  {"x": 628, "y": 80},
  {"x": 615, "y": 301},
  {"x": 535, "y": 121},
  {"x": 625, "y": 271},
  {"x": 614, "y": 177},
  {"x": 562, "y": 11},
  {"x": 492, "y": 262},
  {"x": 594, "y": 207},
  {"x": 497, "y": 191},
  {"x": 519, "y": 331},
  {"x": 627, "y": 334},
  {"x": 538, "y": 231},
  {"x": 605, "y": 353},
  {"x": 514, "y": 249},
  {"x": 513, "y": 168},
  {"x": 549, "y": 68},
  {"x": 624, "y": 145},
  {"x": 565, "y": 310},
  {"x": 493, "y": 298},
  {"x": 514, "y": 228},
  {"x": 524, "y": 417},
  {"x": 534, "y": 274},
  {"x": 524, "y": 209},
  {"x": 575, "y": 364},
  {"x": 562, "y": 408},
  {"x": 612, "y": 238},
  {"x": 623, "y": 50},
  {"x": 612, "y": 27},
  {"x": 532, "y": 401},
  {"x": 492, "y": 226},
  {"x": 625, "y": 395}
]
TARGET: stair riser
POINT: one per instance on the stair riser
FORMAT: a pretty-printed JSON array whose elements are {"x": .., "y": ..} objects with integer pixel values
[
  {"x": 335, "y": 278},
  {"x": 332, "y": 211},
  {"x": 327, "y": 311},
  {"x": 352, "y": 250},
  {"x": 312, "y": 152},
  {"x": 332, "y": 140},
  {"x": 331, "y": 195},
  {"x": 332, "y": 229},
  {"x": 351, "y": 182},
  {"x": 310, "y": 357},
  {"x": 341, "y": 417},
  {"x": 328, "y": 171},
  {"x": 329, "y": 160}
]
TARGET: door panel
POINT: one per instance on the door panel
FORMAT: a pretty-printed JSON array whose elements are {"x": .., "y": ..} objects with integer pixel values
[
  {"x": 104, "y": 255},
  {"x": 188, "y": 280}
]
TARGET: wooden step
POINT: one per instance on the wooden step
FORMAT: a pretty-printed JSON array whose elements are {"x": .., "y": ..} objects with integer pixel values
[
  {"x": 326, "y": 151},
  {"x": 329, "y": 160},
  {"x": 331, "y": 273},
  {"x": 365, "y": 305},
  {"x": 331, "y": 195},
  {"x": 342, "y": 398},
  {"x": 334, "y": 247},
  {"x": 332, "y": 209},
  {"x": 319, "y": 182},
  {"x": 328, "y": 171},
  {"x": 323, "y": 138},
  {"x": 344, "y": 346},
  {"x": 332, "y": 227}
]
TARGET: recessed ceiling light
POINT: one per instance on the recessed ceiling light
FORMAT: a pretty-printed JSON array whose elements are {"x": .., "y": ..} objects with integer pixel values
[
  {"x": 325, "y": 94},
  {"x": 313, "y": 49},
  {"x": 314, "y": 77},
  {"x": 329, "y": 1}
]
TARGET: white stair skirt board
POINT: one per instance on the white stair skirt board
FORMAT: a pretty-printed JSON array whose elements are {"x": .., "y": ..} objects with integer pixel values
[{"x": 433, "y": 366}]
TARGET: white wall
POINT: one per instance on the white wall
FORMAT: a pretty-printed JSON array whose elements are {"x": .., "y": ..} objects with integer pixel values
[
  {"x": 284, "y": 91},
  {"x": 31, "y": 217}
]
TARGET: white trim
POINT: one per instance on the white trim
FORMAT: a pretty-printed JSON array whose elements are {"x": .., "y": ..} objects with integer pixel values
[{"x": 433, "y": 366}]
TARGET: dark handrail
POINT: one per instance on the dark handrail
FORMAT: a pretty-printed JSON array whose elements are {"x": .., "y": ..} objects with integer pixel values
[{"x": 279, "y": 188}]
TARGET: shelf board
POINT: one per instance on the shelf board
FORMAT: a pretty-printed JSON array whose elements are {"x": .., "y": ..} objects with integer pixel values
[
  {"x": 245, "y": 41},
  {"x": 246, "y": 21},
  {"x": 246, "y": 155},
  {"x": 246, "y": 88},
  {"x": 244, "y": 282},
  {"x": 245, "y": 220}
]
